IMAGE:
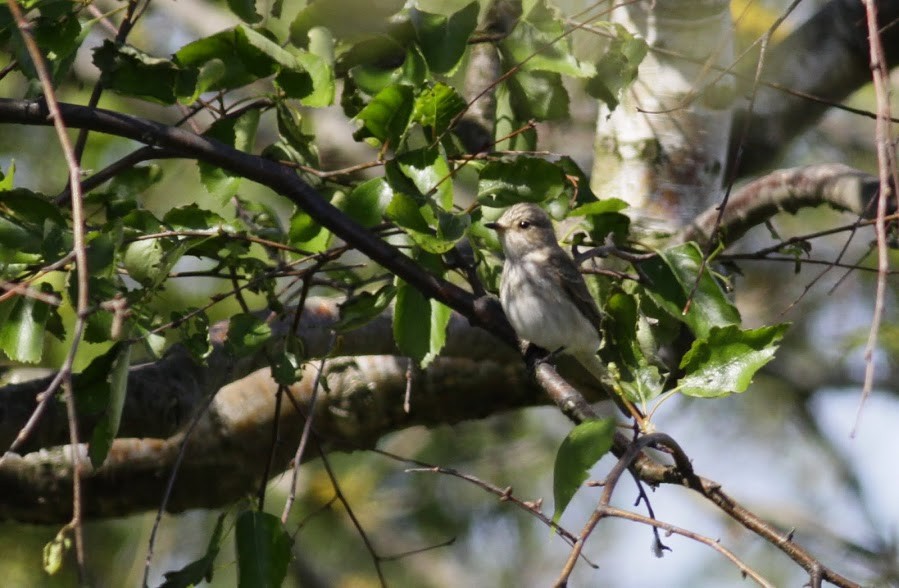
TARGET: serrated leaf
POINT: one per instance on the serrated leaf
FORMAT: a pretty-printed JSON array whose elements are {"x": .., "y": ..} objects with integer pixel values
[
  {"x": 725, "y": 362},
  {"x": 386, "y": 117},
  {"x": 538, "y": 95},
  {"x": 617, "y": 68},
  {"x": 428, "y": 171},
  {"x": 263, "y": 550},
  {"x": 363, "y": 307},
  {"x": 435, "y": 231},
  {"x": 132, "y": 72},
  {"x": 199, "y": 570},
  {"x": 231, "y": 59},
  {"x": 245, "y": 9},
  {"x": 246, "y": 335},
  {"x": 538, "y": 42},
  {"x": 524, "y": 179},
  {"x": 310, "y": 80},
  {"x": 443, "y": 39},
  {"x": 581, "y": 449},
  {"x": 23, "y": 322},
  {"x": 635, "y": 377},
  {"x": 380, "y": 63},
  {"x": 238, "y": 132},
  {"x": 192, "y": 217},
  {"x": 437, "y": 107},
  {"x": 107, "y": 426},
  {"x": 672, "y": 276}
]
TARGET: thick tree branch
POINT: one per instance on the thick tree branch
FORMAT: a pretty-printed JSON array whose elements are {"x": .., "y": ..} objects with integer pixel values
[{"x": 837, "y": 185}]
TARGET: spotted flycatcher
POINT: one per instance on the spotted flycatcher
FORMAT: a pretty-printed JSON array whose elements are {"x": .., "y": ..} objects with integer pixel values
[{"x": 543, "y": 294}]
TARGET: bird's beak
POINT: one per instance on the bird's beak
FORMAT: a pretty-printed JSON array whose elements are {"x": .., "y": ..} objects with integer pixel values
[{"x": 495, "y": 226}]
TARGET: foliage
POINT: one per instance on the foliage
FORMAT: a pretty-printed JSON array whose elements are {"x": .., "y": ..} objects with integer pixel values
[{"x": 394, "y": 74}]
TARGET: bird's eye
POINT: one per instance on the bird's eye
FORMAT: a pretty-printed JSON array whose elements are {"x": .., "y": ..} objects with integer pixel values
[{"x": 524, "y": 224}]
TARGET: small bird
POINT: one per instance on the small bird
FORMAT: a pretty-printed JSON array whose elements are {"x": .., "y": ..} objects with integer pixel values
[{"x": 544, "y": 294}]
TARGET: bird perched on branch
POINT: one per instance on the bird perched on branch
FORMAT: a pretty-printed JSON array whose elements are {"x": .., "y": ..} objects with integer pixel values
[{"x": 544, "y": 294}]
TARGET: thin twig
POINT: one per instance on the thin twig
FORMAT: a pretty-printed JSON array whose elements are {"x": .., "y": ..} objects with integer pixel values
[
  {"x": 82, "y": 298},
  {"x": 885, "y": 166}
]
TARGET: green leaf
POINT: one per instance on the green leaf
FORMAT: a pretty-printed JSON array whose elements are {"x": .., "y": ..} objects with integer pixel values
[
  {"x": 539, "y": 95},
  {"x": 245, "y": 9},
  {"x": 23, "y": 322},
  {"x": 617, "y": 68},
  {"x": 368, "y": 201},
  {"x": 26, "y": 220},
  {"x": 306, "y": 234},
  {"x": 428, "y": 171},
  {"x": 432, "y": 229},
  {"x": 58, "y": 33},
  {"x": 725, "y": 362},
  {"x": 538, "y": 42},
  {"x": 672, "y": 277},
  {"x": 287, "y": 365},
  {"x": 108, "y": 425},
  {"x": 192, "y": 217},
  {"x": 364, "y": 307},
  {"x": 7, "y": 180},
  {"x": 239, "y": 132},
  {"x": 419, "y": 324},
  {"x": 524, "y": 179},
  {"x": 386, "y": 117},
  {"x": 311, "y": 80},
  {"x": 246, "y": 335},
  {"x": 346, "y": 19},
  {"x": 263, "y": 550},
  {"x": 443, "y": 39},
  {"x": 231, "y": 59},
  {"x": 581, "y": 449},
  {"x": 437, "y": 107},
  {"x": 635, "y": 377},
  {"x": 603, "y": 218},
  {"x": 199, "y": 570},
  {"x": 55, "y": 551},
  {"x": 378, "y": 63},
  {"x": 599, "y": 207},
  {"x": 132, "y": 72}
]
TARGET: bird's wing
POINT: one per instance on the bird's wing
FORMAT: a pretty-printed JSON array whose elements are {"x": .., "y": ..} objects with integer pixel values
[{"x": 573, "y": 283}]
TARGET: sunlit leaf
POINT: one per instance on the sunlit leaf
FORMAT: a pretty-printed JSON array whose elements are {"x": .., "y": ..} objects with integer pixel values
[
  {"x": 524, "y": 179},
  {"x": 443, "y": 39},
  {"x": 580, "y": 450},
  {"x": 725, "y": 362},
  {"x": 617, "y": 68},
  {"x": 23, "y": 322},
  {"x": 672, "y": 277},
  {"x": 387, "y": 115}
]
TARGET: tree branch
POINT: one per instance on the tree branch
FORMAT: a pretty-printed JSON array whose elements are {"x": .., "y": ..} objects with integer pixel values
[
  {"x": 840, "y": 186},
  {"x": 279, "y": 178}
]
